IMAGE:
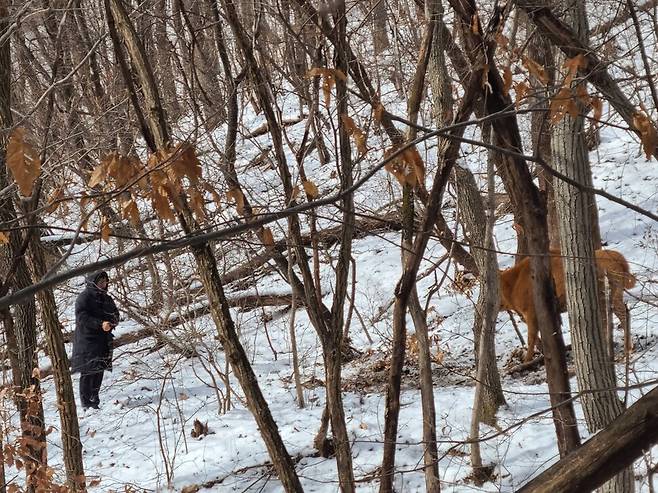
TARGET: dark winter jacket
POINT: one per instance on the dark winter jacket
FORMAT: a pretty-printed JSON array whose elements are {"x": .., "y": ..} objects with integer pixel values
[{"x": 92, "y": 346}]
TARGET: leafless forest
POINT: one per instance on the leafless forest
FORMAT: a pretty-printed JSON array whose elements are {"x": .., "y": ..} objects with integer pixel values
[{"x": 227, "y": 162}]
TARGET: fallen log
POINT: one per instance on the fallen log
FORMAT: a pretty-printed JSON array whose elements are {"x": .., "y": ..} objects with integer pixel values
[{"x": 605, "y": 454}]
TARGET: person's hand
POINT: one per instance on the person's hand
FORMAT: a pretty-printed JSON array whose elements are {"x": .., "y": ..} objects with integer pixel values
[{"x": 107, "y": 326}]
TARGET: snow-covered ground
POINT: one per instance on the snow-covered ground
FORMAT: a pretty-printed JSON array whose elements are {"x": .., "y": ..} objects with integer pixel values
[
  {"x": 140, "y": 438},
  {"x": 141, "y": 435}
]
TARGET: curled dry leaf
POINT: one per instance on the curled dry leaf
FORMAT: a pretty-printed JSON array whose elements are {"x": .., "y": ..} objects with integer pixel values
[
  {"x": 563, "y": 102},
  {"x": 184, "y": 163},
  {"x": 358, "y": 134},
  {"x": 267, "y": 237},
  {"x": 648, "y": 135},
  {"x": 23, "y": 162},
  {"x": 378, "y": 112},
  {"x": 54, "y": 200},
  {"x": 160, "y": 202},
  {"x": 521, "y": 90},
  {"x": 507, "y": 80},
  {"x": 235, "y": 195},
  {"x": 99, "y": 174},
  {"x": 597, "y": 105},
  {"x": 311, "y": 189},
  {"x": 217, "y": 199},
  {"x": 536, "y": 70},
  {"x": 130, "y": 211},
  {"x": 573, "y": 65},
  {"x": 329, "y": 77},
  {"x": 475, "y": 24},
  {"x": 408, "y": 167},
  {"x": 198, "y": 204},
  {"x": 105, "y": 232}
]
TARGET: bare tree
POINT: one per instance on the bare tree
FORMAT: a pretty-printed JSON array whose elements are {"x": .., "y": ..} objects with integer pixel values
[{"x": 20, "y": 327}]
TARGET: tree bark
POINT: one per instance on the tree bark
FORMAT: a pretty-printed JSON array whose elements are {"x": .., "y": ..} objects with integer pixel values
[
  {"x": 526, "y": 200},
  {"x": 594, "y": 367},
  {"x": 20, "y": 328},
  {"x": 70, "y": 432},
  {"x": 474, "y": 216}
]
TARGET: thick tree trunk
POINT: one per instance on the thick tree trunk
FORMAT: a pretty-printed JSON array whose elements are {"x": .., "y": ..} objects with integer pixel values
[{"x": 594, "y": 367}]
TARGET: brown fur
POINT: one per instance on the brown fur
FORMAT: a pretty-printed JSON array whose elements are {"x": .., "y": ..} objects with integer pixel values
[{"x": 516, "y": 288}]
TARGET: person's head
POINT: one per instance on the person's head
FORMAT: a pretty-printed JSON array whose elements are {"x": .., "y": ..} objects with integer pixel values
[{"x": 99, "y": 280}]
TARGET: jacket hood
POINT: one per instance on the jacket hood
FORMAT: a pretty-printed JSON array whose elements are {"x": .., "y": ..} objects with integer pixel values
[{"x": 92, "y": 278}]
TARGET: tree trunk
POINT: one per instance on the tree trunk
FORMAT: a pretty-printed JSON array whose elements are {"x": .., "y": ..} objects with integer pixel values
[
  {"x": 594, "y": 368},
  {"x": 527, "y": 202},
  {"x": 541, "y": 51},
  {"x": 379, "y": 26},
  {"x": 70, "y": 432},
  {"x": 21, "y": 329},
  {"x": 486, "y": 312}
]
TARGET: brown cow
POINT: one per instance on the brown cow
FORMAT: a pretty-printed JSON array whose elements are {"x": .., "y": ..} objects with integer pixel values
[{"x": 516, "y": 288}]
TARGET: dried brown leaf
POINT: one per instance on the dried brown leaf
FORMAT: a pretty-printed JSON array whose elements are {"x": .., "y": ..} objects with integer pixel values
[
  {"x": 105, "y": 232},
  {"x": 130, "y": 211},
  {"x": 358, "y": 134},
  {"x": 267, "y": 237},
  {"x": 311, "y": 189},
  {"x": 507, "y": 80},
  {"x": 4, "y": 239},
  {"x": 235, "y": 194},
  {"x": 475, "y": 24},
  {"x": 160, "y": 203},
  {"x": 329, "y": 77},
  {"x": 99, "y": 174},
  {"x": 54, "y": 200},
  {"x": 561, "y": 104},
  {"x": 378, "y": 113},
  {"x": 536, "y": 70},
  {"x": 597, "y": 105},
  {"x": 521, "y": 90},
  {"x": 197, "y": 203},
  {"x": 648, "y": 135},
  {"x": 23, "y": 162}
]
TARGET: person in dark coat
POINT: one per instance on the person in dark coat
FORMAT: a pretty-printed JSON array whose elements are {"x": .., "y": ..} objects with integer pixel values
[{"x": 95, "y": 317}]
